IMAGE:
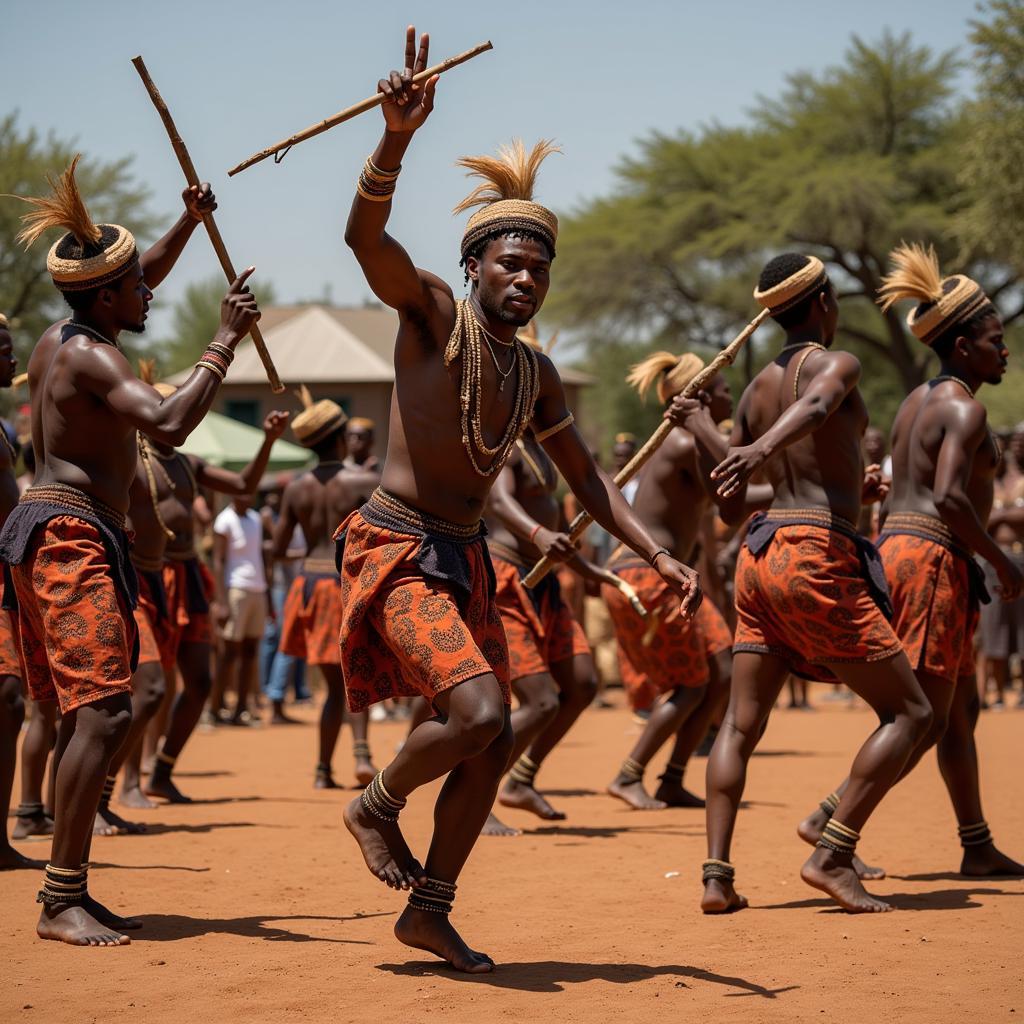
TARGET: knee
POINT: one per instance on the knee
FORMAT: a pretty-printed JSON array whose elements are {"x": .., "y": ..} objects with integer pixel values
[
  {"x": 500, "y": 748},
  {"x": 584, "y": 689},
  {"x": 481, "y": 727},
  {"x": 922, "y": 718},
  {"x": 547, "y": 704},
  {"x": 151, "y": 687}
]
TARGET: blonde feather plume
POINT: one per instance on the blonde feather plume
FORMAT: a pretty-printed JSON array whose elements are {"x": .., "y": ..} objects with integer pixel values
[
  {"x": 147, "y": 371},
  {"x": 511, "y": 174},
  {"x": 670, "y": 373},
  {"x": 65, "y": 209},
  {"x": 645, "y": 373},
  {"x": 304, "y": 396},
  {"x": 915, "y": 275}
]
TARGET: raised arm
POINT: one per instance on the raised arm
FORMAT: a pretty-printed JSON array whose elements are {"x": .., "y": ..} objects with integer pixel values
[
  {"x": 227, "y": 481},
  {"x": 597, "y": 492},
  {"x": 109, "y": 376},
  {"x": 158, "y": 260},
  {"x": 824, "y": 395},
  {"x": 387, "y": 267},
  {"x": 965, "y": 430}
]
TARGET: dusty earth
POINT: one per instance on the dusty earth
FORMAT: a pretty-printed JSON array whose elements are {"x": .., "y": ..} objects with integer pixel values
[{"x": 257, "y": 906}]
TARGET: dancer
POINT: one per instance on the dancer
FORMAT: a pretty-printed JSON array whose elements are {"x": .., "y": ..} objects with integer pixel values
[
  {"x": 810, "y": 595},
  {"x": 190, "y": 586},
  {"x": 65, "y": 545},
  {"x": 690, "y": 661},
  {"x": 417, "y": 586},
  {"x": 551, "y": 668},
  {"x": 359, "y": 441},
  {"x": 944, "y": 463},
  {"x": 317, "y": 502}
]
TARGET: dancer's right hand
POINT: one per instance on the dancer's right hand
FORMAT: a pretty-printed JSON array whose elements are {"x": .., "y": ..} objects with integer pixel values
[
  {"x": 238, "y": 311},
  {"x": 555, "y": 547},
  {"x": 407, "y": 106}
]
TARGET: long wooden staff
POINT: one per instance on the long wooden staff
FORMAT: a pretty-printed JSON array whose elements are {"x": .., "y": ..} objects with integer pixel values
[
  {"x": 724, "y": 358},
  {"x": 280, "y": 149},
  {"x": 211, "y": 226}
]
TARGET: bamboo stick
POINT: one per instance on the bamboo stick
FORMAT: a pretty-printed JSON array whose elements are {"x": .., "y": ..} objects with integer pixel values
[
  {"x": 211, "y": 226},
  {"x": 724, "y": 358},
  {"x": 280, "y": 149}
]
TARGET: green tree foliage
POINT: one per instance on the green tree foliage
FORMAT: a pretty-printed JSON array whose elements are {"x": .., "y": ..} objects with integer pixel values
[
  {"x": 195, "y": 321},
  {"x": 842, "y": 164},
  {"x": 27, "y": 295}
]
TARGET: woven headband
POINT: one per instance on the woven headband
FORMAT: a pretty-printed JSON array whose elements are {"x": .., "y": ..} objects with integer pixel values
[
  {"x": 810, "y": 278},
  {"x": 320, "y": 420},
  {"x": 511, "y": 215},
  {"x": 960, "y": 302},
  {"x": 77, "y": 275}
]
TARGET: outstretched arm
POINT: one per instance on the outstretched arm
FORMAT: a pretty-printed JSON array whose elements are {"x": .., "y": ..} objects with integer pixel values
[
  {"x": 597, "y": 492},
  {"x": 824, "y": 395},
  {"x": 109, "y": 376},
  {"x": 227, "y": 481},
  {"x": 388, "y": 269},
  {"x": 158, "y": 260}
]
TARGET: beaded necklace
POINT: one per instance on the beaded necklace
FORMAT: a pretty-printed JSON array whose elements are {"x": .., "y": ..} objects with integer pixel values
[
  {"x": 955, "y": 380},
  {"x": 541, "y": 476},
  {"x": 154, "y": 495},
  {"x": 96, "y": 334},
  {"x": 467, "y": 341},
  {"x": 810, "y": 346}
]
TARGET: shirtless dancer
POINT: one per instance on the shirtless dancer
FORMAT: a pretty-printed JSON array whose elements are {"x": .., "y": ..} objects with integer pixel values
[
  {"x": 944, "y": 462},
  {"x": 419, "y": 616},
  {"x": 12, "y": 704},
  {"x": 65, "y": 545},
  {"x": 809, "y": 588},
  {"x": 691, "y": 661},
  {"x": 318, "y": 501},
  {"x": 551, "y": 668},
  {"x": 189, "y": 584}
]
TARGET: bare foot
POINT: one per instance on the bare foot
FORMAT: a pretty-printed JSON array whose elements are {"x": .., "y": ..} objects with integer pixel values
[
  {"x": 424, "y": 929},
  {"x": 108, "y": 823},
  {"x": 826, "y": 872},
  {"x": 32, "y": 825},
  {"x": 635, "y": 795},
  {"x": 324, "y": 779},
  {"x": 134, "y": 798},
  {"x": 986, "y": 861},
  {"x": 673, "y": 795},
  {"x": 809, "y": 830},
  {"x": 280, "y": 718},
  {"x": 526, "y": 798},
  {"x": 11, "y": 860},
  {"x": 494, "y": 827},
  {"x": 384, "y": 848},
  {"x": 108, "y": 917},
  {"x": 160, "y": 785},
  {"x": 364, "y": 771},
  {"x": 720, "y": 897},
  {"x": 77, "y": 927}
]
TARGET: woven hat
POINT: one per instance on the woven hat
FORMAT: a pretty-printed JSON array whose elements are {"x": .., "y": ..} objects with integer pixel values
[
  {"x": 506, "y": 195},
  {"x": 361, "y": 423},
  {"x": 317, "y": 419},
  {"x": 670, "y": 373},
  {"x": 810, "y": 278},
  {"x": 625, "y": 437},
  {"x": 89, "y": 255},
  {"x": 942, "y": 302}
]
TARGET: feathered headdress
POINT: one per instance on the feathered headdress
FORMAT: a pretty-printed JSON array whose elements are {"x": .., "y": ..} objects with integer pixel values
[
  {"x": 506, "y": 194},
  {"x": 671, "y": 373},
  {"x": 89, "y": 255},
  {"x": 317, "y": 419},
  {"x": 147, "y": 371},
  {"x": 528, "y": 335},
  {"x": 941, "y": 302}
]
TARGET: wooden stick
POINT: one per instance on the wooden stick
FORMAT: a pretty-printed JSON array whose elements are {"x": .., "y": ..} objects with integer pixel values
[
  {"x": 211, "y": 226},
  {"x": 280, "y": 149},
  {"x": 623, "y": 588},
  {"x": 724, "y": 358}
]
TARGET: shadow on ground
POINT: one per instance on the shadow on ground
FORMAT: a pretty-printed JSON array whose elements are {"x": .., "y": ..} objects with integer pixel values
[
  {"x": 175, "y": 927},
  {"x": 940, "y": 899},
  {"x": 554, "y": 975}
]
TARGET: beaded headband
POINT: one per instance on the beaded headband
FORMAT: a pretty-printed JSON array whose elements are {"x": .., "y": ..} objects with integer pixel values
[
  {"x": 317, "y": 419},
  {"x": 810, "y": 278}
]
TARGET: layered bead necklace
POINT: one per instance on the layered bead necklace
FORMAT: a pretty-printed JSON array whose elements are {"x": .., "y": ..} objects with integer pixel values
[{"x": 467, "y": 340}]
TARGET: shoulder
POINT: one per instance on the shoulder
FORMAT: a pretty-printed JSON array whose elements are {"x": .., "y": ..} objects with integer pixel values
[
  {"x": 225, "y": 518},
  {"x": 838, "y": 361}
]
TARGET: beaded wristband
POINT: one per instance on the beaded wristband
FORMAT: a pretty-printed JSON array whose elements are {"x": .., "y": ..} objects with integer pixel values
[{"x": 534, "y": 532}]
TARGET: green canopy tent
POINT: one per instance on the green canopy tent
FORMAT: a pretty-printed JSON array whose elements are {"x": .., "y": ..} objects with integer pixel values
[{"x": 222, "y": 441}]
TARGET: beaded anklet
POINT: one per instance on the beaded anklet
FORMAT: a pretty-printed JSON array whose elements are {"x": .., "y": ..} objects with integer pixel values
[
  {"x": 376, "y": 800},
  {"x": 436, "y": 896}
]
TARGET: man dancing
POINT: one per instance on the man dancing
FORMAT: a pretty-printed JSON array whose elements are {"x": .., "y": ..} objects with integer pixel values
[
  {"x": 691, "y": 661},
  {"x": 944, "y": 464},
  {"x": 189, "y": 584},
  {"x": 317, "y": 502},
  {"x": 65, "y": 545},
  {"x": 417, "y": 586},
  {"x": 809, "y": 589}
]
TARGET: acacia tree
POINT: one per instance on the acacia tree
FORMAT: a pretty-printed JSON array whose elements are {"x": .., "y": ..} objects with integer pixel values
[{"x": 842, "y": 164}]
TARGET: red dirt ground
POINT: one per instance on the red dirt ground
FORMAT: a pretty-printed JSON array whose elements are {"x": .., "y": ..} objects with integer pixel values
[{"x": 257, "y": 906}]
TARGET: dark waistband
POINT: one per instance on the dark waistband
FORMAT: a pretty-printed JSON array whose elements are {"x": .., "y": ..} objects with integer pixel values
[
  {"x": 386, "y": 511},
  {"x": 75, "y": 500},
  {"x": 319, "y": 567},
  {"x": 146, "y": 564},
  {"x": 507, "y": 554},
  {"x": 822, "y": 517},
  {"x": 181, "y": 556}
]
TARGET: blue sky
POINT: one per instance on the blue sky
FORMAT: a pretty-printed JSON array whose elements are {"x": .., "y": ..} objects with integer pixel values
[{"x": 237, "y": 77}]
